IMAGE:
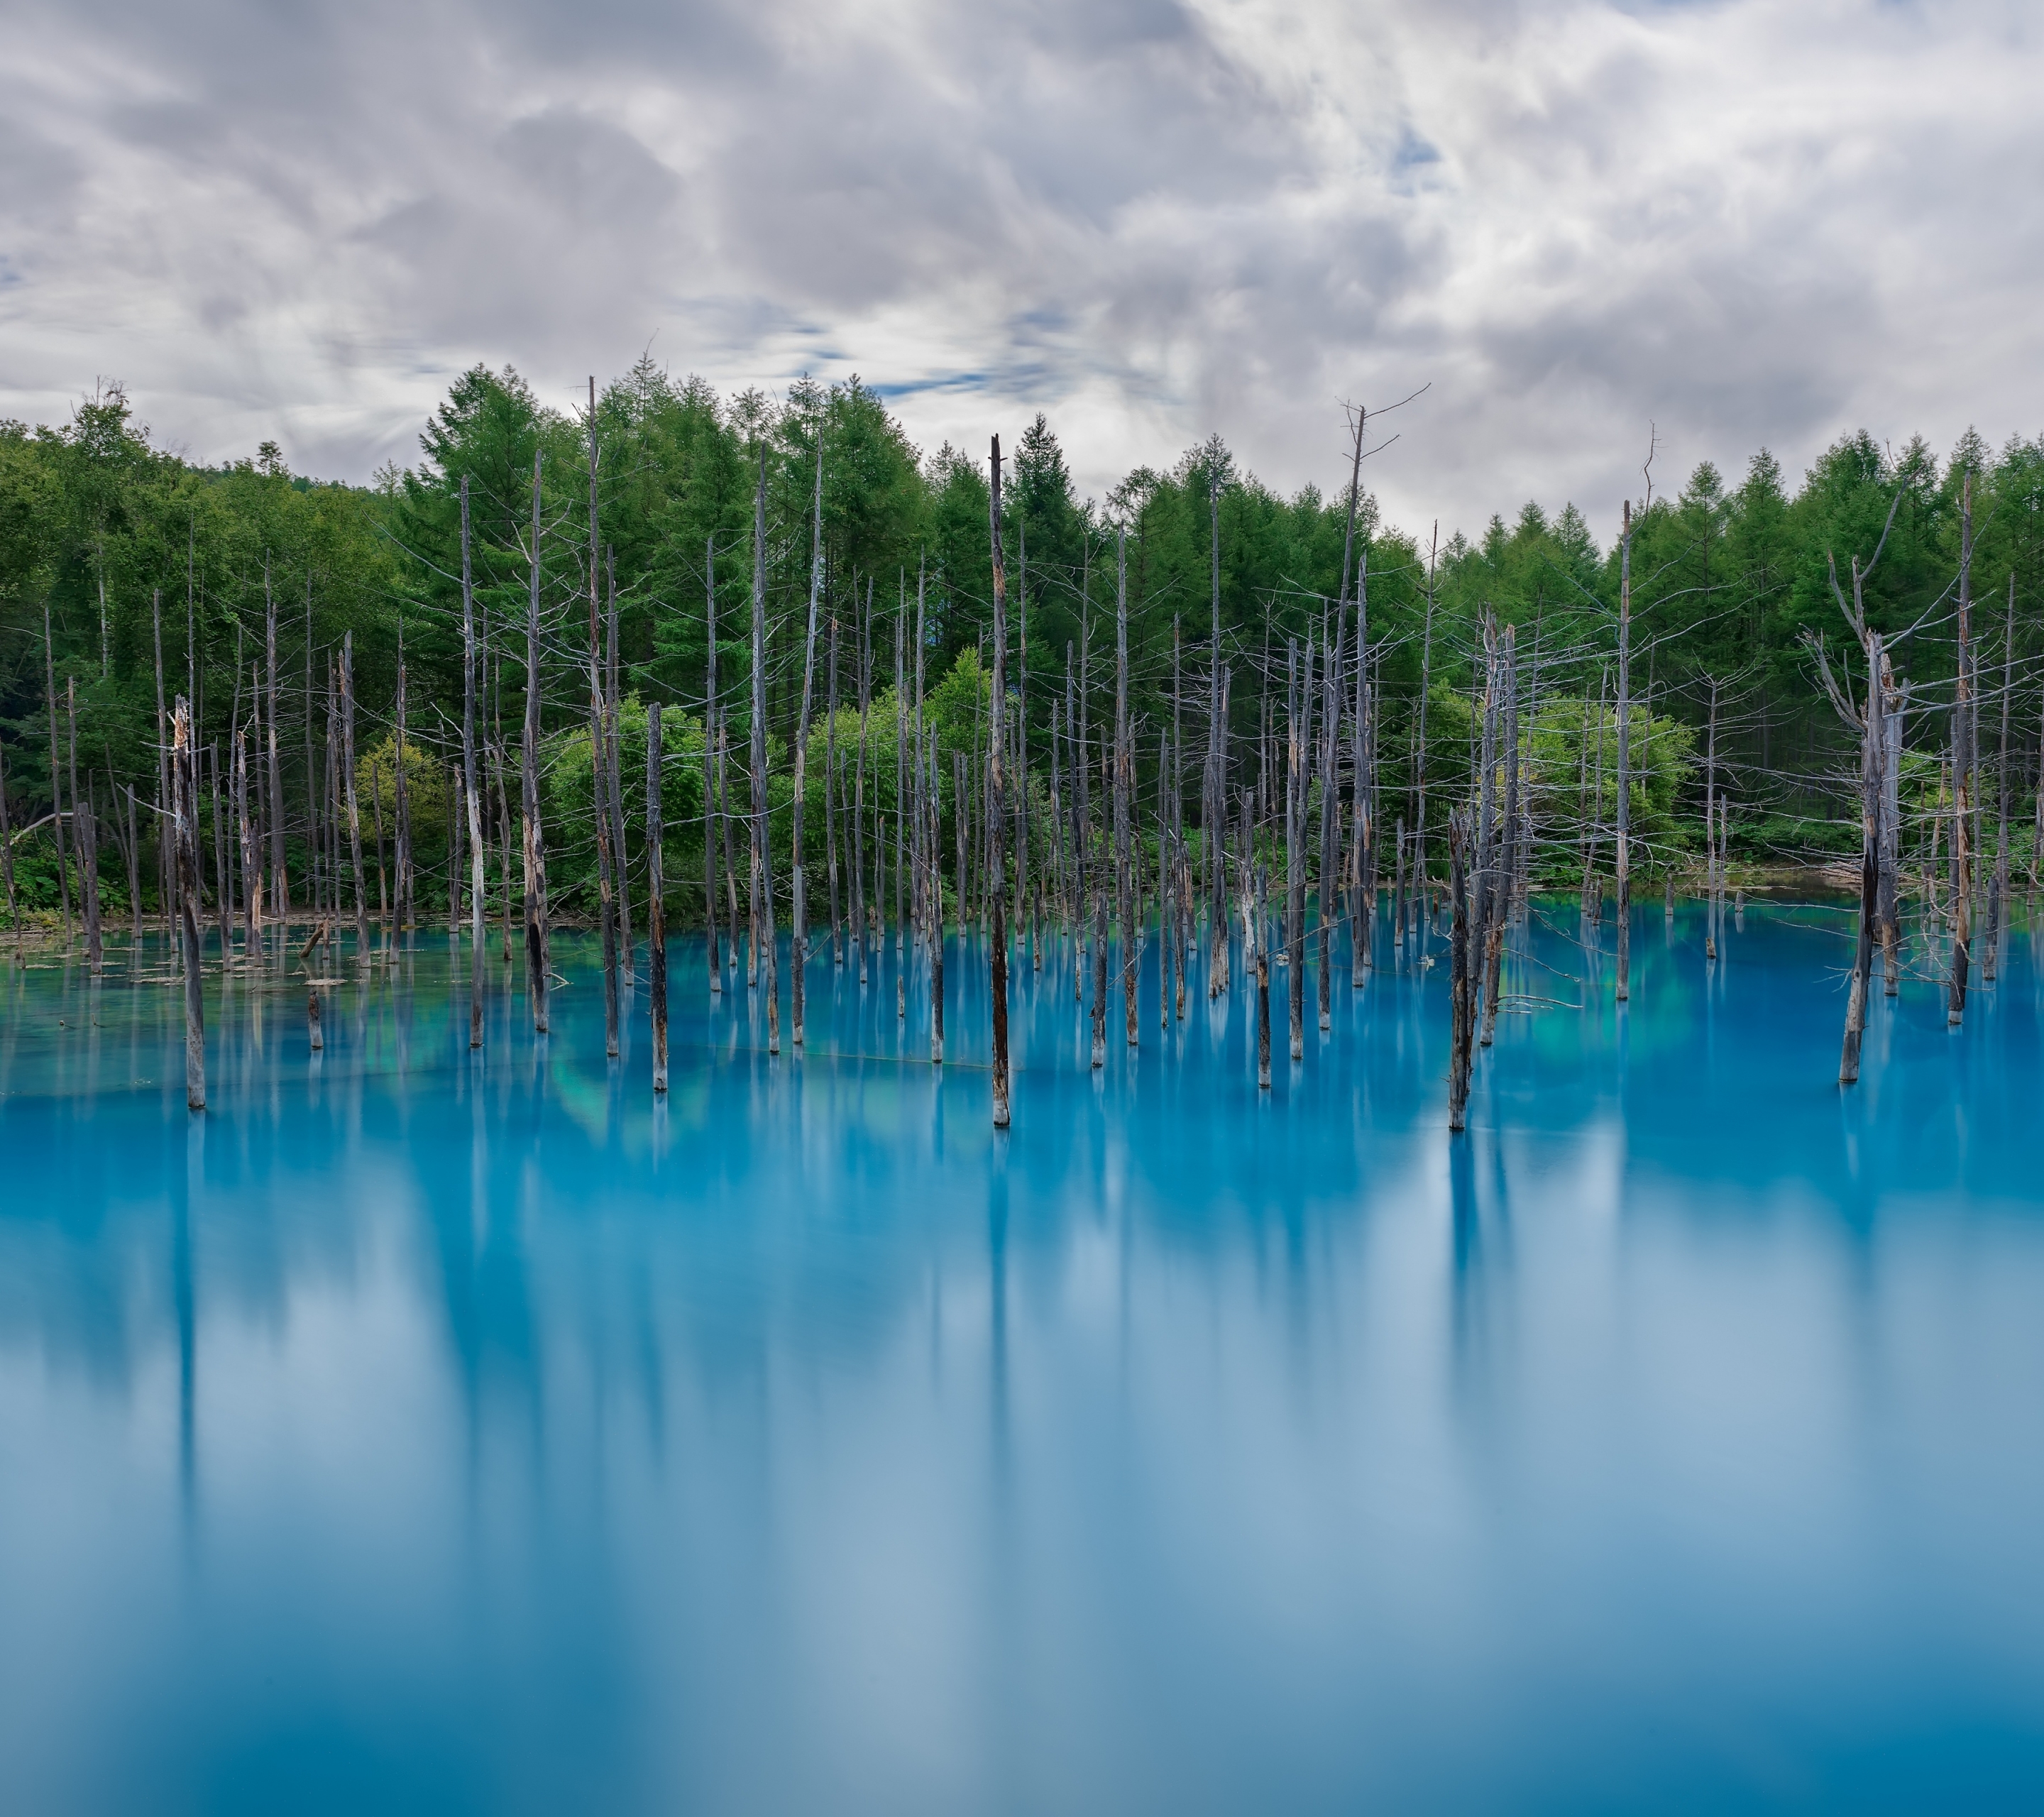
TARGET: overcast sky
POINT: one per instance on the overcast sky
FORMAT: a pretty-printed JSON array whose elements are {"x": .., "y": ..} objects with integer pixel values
[{"x": 1741, "y": 222}]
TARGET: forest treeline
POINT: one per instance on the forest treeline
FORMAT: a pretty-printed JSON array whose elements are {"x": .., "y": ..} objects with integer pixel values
[{"x": 129, "y": 575}]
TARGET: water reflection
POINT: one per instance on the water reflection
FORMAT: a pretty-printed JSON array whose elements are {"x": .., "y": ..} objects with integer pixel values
[{"x": 798, "y": 1443}]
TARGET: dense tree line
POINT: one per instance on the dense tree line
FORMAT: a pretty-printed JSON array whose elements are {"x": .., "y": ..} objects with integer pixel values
[{"x": 129, "y": 575}]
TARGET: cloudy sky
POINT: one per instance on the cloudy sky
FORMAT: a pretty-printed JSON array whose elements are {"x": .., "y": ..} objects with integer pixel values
[{"x": 1741, "y": 222}]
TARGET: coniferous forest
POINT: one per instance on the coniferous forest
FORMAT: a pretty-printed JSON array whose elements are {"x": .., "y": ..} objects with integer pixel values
[{"x": 433, "y": 698}]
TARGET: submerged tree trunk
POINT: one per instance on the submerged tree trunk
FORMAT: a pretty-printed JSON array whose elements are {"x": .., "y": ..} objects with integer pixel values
[
  {"x": 656, "y": 909},
  {"x": 762, "y": 856},
  {"x": 1461, "y": 1009},
  {"x": 798, "y": 942},
  {"x": 1622, "y": 847},
  {"x": 475, "y": 845},
  {"x": 536, "y": 954},
  {"x": 185, "y": 828},
  {"x": 997, "y": 944},
  {"x": 1962, "y": 767}
]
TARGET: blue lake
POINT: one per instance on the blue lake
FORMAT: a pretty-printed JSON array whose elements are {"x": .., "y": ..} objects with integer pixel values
[{"x": 419, "y": 1432}]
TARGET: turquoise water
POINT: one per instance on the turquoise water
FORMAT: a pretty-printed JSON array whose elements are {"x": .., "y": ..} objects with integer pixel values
[{"x": 414, "y": 1433}]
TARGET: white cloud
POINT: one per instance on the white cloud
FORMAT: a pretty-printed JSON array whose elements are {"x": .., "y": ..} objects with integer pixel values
[{"x": 1745, "y": 222}]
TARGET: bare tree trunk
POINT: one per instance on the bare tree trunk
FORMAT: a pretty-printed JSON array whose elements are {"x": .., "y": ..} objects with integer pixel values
[
  {"x": 1894, "y": 704},
  {"x": 85, "y": 832},
  {"x": 1998, "y": 888},
  {"x": 713, "y": 817},
  {"x": 1260, "y": 939},
  {"x": 185, "y": 819},
  {"x": 599, "y": 758},
  {"x": 656, "y": 909},
  {"x": 614, "y": 718},
  {"x": 1962, "y": 766},
  {"x": 1331, "y": 891},
  {"x": 763, "y": 855},
  {"x": 1421, "y": 880},
  {"x": 1506, "y": 869},
  {"x": 1125, "y": 790},
  {"x": 7, "y": 861},
  {"x": 1461, "y": 1009},
  {"x": 830, "y": 802},
  {"x": 1871, "y": 743},
  {"x": 280, "y": 887},
  {"x": 537, "y": 957},
  {"x": 407, "y": 899},
  {"x": 56, "y": 775},
  {"x": 1710, "y": 832},
  {"x": 1298, "y": 696},
  {"x": 997, "y": 941},
  {"x": 353, "y": 807},
  {"x": 468, "y": 661},
  {"x": 798, "y": 942},
  {"x": 1622, "y": 847}
]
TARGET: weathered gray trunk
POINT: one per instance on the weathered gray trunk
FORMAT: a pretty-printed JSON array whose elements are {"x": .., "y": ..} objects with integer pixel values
[{"x": 656, "y": 909}]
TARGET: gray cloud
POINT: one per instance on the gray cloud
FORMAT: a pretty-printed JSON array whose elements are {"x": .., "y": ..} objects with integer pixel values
[{"x": 1150, "y": 218}]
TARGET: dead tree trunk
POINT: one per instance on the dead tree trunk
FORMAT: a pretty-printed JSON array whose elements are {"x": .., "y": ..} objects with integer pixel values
[
  {"x": 762, "y": 856},
  {"x": 1461, "y": 1014},
  {"x": 280, "y": 887},
  {"x": 1962, "y": 781},
  {"x": 537, "y": 957},
  {"x": 1622, "y": 847},
  {"x": 1124, "y": 791},
  {"x": 798, "y": 930},
  {"x": 712, "y": 771},
  {"x": 996, "y": 892},
  {"x": 475, "y": 845},
  {"x": 185, "y": 828},
  {"x": 656, "y": 907},
  {"x": 599, "y": 766}
]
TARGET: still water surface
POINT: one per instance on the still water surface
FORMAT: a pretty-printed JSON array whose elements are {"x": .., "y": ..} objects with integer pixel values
[{"x": 413, "y": 1433}]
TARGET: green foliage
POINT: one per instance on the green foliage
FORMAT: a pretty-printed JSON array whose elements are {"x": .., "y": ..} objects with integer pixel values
[{"x": 129, "y": 548}]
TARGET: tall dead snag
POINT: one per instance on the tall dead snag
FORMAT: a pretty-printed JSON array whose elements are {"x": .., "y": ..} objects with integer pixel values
[
  {"x": 7, "y": 861},
  {"x": 830, "y": 800},
  {"x": 763, "y": 857},
  {"x": 614, "y": 719},
  {"x": 1964, "y": 758},
  {"x": 1998, "y": 888},
  {"x": 936, "y": 907},
  {"x": 1124, "y": 791},
  {"x": 656, "y": 906},
  {"x": 56, "y": 783},
  {"x": 537, "y": 956},
  {"x": 185, "y": 835},
  {"x": 1021, "y": 737},
  {"x": 402, "y": 789},
  {"x": 475, "y": 843},
  {"x": 1710, "y": 832},
  {"x": 997, "y": 947},
  {"x": 1361, "y": 919},
  {"x": 712, "y": 770},
  {"x": 1330, "y": 889},
  {"x": 1299, "y": 692},
  {"x": 1421, "y": 882},
  {"x": 1622, "y": 852},
  {"x": 1461, "y": 1009},
  {"x": 1213, "y": 812},
  {"x": 1258, "y": 918},
  {"x": 280, "y": 886},
  {"x": 599, "y": 767},
  {"x": 798, "y": 941},
  {"x": 85, "y": 835},
  {"x": 1894, "y": 703},
  {"x": 354, "y": 806},
  {"x": 1505, "y": 870},
  {"x": 1870, "y": 722}
]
